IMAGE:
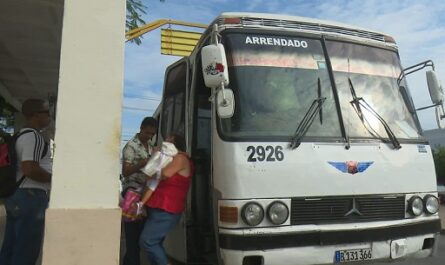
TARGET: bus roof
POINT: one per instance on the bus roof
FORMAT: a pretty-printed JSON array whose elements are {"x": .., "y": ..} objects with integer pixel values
[{"x": 303, "y": 23}]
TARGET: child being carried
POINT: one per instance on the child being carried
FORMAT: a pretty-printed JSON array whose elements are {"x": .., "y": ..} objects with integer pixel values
[{"x": 157, "y": 162}]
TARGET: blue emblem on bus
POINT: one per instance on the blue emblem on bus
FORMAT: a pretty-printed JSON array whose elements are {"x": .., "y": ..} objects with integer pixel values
[{"x": 351, "y": 167}]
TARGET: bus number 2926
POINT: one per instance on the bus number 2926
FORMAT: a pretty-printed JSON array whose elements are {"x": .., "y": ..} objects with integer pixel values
[{"x": 265, "y": 153}]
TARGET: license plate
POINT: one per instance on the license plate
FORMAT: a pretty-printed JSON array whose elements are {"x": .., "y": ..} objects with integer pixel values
[{"x": 349, "y": 255}]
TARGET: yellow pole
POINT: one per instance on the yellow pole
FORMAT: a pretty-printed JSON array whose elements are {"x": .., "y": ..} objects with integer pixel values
[{"x": 134, "y": 33}]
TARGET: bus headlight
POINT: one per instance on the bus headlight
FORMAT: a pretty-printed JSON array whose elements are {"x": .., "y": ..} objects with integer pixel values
[
  {"x": 277, "y": 212},
  {"x": 431, "y": 204},
  {"x": 415, "y": 205},
  {"x": 252, "y": 213}
]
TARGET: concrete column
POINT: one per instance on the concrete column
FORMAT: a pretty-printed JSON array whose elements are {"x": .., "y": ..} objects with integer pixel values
[{"x": 83, "y": 219}]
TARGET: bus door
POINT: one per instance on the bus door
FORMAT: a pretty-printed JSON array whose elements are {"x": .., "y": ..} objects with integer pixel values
[
  {"x": 200, "y": 232},
  {"x": 173, "y": 120}
]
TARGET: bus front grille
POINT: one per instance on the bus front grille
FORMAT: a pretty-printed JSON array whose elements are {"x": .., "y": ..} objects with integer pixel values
[{"x": 325, "y": 210}]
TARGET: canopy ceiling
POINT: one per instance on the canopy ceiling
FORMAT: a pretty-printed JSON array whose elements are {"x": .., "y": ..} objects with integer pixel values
[{"x": 30, "y": 37}]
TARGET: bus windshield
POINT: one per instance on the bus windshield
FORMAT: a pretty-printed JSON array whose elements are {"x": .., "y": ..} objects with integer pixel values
[
  {"x": 373, "y": 73},
  {"x": 276, "y": 79}
]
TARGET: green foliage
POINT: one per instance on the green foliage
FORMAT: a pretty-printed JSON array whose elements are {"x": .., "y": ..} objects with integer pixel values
[
  {"x": 439, "y": 161},
  {"x": 135, "y": 10},
  {"x": 6, "y": 116}
]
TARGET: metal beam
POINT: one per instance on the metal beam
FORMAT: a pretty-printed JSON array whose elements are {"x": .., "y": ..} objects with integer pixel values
[{"x": 159, "y": 23}]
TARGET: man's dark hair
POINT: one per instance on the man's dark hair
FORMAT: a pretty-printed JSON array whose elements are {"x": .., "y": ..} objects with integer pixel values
[
  {"x": 32, "y": 106},
  {"x": 149, "y": 121}
]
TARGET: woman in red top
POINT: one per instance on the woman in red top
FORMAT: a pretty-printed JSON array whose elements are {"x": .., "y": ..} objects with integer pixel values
[{"x": 167, "y": 203}]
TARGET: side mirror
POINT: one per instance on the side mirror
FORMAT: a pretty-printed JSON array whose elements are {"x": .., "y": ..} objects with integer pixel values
[
  {"x": 214, "y": 66},
  {"x": 436, "y": 92},
  {"x": 225, "y": 103},
  {"x": 440, "y": 117}
]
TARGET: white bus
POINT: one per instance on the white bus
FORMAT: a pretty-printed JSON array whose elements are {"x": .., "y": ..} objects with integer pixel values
[{"x": 306, "y": 142}]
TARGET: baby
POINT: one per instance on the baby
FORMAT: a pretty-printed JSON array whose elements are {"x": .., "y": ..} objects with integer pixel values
[
  {"x": 153, "y": 168},
  {"x": 157, "y": 162}
]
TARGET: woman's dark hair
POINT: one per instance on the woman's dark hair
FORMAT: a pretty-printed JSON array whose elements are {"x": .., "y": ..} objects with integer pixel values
[{"x": 178, "y": 141}]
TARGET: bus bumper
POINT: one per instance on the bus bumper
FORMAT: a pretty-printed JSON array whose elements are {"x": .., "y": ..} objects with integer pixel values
[{"x": 386, "y": 244}]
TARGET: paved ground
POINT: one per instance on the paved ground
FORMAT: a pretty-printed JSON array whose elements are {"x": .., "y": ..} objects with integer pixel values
[{"x": 439, "y": 259}]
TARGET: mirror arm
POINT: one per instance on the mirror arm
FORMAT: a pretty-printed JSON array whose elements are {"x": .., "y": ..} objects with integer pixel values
[
  {"x": 215, "y": 35},
  {"x": 414, "y": 68},
  {"x": 427, "y": 107}
]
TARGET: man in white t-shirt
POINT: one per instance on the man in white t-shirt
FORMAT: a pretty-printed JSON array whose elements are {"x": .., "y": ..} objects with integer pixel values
[{"x": 25, "y": 209}]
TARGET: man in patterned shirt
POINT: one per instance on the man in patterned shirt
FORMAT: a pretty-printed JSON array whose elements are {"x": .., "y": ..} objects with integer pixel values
[{"x": 136, "y": 153}]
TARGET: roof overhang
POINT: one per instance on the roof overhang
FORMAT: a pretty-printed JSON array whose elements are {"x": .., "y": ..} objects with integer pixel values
[{"x": 30, "y": 39}]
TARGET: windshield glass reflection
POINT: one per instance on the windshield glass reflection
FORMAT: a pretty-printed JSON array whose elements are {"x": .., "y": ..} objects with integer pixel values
[
  {"x": 374, "y": 73},
  {"x": 275, "y": 81}
]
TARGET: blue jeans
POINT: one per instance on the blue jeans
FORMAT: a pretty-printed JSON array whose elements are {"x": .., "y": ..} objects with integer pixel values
[
  {"x": 159, "y": 223},
  {"x": 25, "y": 221}
]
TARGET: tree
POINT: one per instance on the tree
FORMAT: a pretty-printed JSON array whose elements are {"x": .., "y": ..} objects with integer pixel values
[
  {"x": 135, "y": 10},
  {"x": 6, "y": 116},
  {"x": 439, "y": 161}
]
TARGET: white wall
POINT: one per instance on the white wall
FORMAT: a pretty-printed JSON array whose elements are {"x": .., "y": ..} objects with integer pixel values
[
  {"x": 82, "y": 224},
  {"x": 88, "y": 124}
]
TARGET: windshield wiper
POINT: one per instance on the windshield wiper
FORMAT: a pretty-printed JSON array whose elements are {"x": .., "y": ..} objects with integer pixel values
[
  {"x": 320, "y": 111},
  {"x": 358, "y": 103},
  {"x": 308, "y": 119}
]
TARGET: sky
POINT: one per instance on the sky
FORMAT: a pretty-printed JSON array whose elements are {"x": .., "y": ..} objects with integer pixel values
[{"x": 418, "y": 27}]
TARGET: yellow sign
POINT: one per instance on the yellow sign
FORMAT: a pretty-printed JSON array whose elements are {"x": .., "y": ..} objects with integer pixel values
[{"x": 177, "y": 42}]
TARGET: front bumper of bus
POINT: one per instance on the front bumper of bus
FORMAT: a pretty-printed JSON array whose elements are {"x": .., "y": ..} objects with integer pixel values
[{"x": 318, "y": 246}]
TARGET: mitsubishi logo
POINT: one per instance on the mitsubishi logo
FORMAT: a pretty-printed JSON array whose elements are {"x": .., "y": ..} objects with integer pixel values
[{"x": 354, "y": 209}]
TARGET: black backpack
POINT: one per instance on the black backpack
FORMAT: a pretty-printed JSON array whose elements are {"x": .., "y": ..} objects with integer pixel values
[{"x": 8, "y": 165}]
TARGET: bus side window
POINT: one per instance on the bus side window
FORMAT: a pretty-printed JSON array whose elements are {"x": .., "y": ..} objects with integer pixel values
[
  {"x": 202, "y": 117},
  {"x": 173, "y": 111},
  {"x": 203, "y": 123}
]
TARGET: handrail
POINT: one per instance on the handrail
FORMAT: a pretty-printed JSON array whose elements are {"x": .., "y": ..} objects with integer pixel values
[{"x": 414, "y": 68}]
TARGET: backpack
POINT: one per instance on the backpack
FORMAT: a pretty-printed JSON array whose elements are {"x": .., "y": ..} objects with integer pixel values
[{"x": 8, "y": 165}]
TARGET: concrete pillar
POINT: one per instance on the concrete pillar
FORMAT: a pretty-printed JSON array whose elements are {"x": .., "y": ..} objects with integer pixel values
[{"x": 83, "y": 219}]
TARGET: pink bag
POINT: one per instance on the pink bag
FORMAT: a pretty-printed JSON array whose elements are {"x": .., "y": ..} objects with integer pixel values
[{"x": 129, "y": 213}]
